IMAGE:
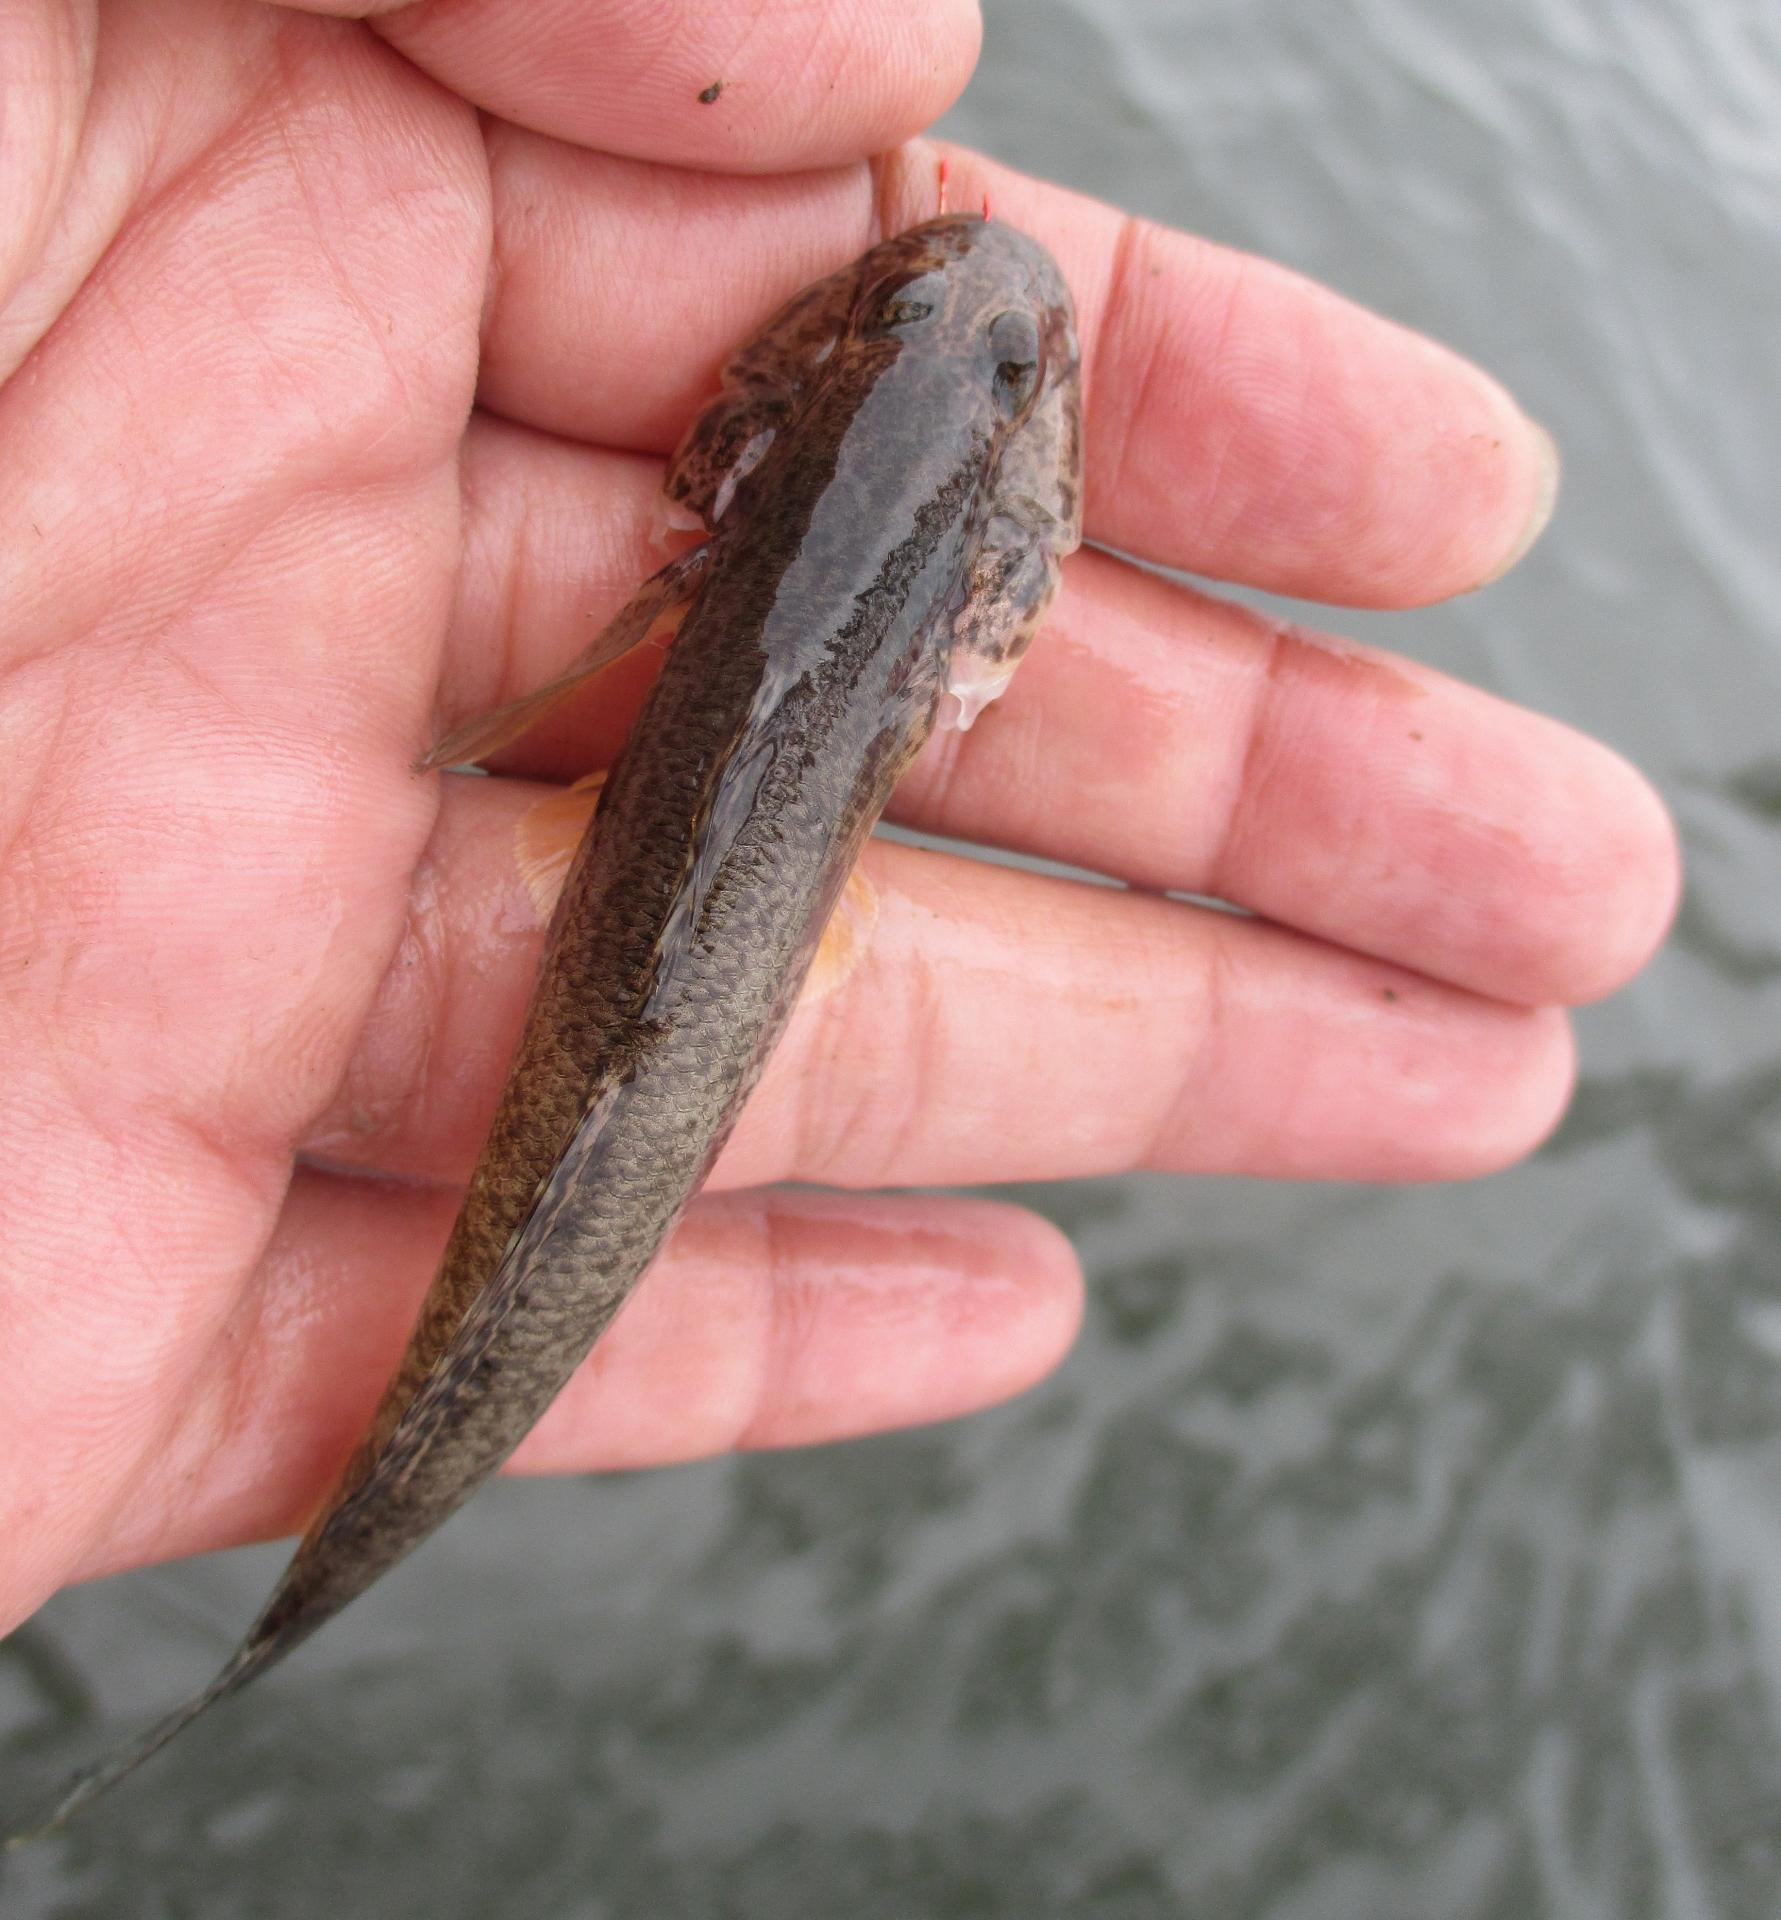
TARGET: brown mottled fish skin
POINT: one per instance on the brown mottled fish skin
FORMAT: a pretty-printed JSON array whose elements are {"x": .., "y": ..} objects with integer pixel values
[{"x": 890, "y": 478}]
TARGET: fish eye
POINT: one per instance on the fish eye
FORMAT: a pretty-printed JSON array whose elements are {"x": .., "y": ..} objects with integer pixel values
[
  {"x": 1014, "y": 340},
  {"x": 908, "y": 304}
]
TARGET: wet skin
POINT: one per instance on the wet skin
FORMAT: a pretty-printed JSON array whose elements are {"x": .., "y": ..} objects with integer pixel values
[{"x": 889, "y": 481}]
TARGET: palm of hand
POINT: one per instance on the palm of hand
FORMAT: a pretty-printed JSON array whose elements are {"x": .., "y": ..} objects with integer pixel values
[{"x": 251, "y": 542}]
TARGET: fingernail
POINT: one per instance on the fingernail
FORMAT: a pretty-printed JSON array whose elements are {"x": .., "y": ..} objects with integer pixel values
[{"x": 1545, "y": 499}]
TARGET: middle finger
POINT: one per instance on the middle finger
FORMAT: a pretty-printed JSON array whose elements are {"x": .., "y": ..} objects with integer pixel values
[{"x": 1242, "y": 422}]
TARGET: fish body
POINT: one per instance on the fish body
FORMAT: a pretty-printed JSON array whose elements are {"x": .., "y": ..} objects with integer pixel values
[{"x": 888, "y": 480}]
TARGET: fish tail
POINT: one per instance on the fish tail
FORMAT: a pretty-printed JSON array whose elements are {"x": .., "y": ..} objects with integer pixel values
[{"x": 103, "y": 1775}]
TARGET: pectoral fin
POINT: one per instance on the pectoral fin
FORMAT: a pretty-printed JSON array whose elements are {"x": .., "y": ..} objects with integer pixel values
[
  {"x": 547, "y": 836},
  {"x": 661, "y": 593}
]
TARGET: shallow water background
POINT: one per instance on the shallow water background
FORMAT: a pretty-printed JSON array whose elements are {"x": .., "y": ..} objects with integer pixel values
[{"x": 1378, "y": 1555}]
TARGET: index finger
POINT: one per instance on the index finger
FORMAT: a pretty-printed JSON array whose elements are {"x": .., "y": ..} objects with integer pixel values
[
  {"x": 746, "y": 85},
  {"x": 1243, "y": 422}
]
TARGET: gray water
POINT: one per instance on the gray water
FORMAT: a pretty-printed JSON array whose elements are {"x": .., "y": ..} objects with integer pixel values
[{"x": 1378, "y": 1555}]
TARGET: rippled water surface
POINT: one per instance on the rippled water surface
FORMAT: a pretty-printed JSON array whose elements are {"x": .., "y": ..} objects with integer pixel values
[{"x": 1378, "y": 1554}]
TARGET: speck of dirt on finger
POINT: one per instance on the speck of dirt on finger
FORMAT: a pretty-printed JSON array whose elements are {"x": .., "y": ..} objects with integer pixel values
[{"x": 708, "y": 95}]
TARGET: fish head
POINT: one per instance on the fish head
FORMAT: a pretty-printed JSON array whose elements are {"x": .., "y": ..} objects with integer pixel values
[{"x": 978, "y": 299}]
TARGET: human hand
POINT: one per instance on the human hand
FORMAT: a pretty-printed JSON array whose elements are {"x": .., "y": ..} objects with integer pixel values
[{"x": 333, "y": 415}]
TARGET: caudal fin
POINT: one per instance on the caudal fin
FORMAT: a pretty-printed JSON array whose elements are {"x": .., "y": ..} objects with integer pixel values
[{"x": 104, "y": 1774}]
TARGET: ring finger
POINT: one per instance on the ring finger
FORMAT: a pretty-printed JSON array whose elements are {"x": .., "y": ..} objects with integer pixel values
[{"x": 1157, "y": 735}]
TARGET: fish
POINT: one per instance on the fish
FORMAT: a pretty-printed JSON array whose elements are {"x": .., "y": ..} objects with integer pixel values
[{"x": 886, "y": 486}]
